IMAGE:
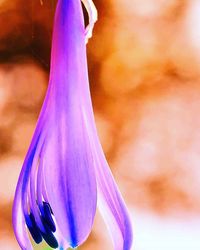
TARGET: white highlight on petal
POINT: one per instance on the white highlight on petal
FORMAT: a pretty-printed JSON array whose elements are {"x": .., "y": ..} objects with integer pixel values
[{"x": 93, "y": 16}]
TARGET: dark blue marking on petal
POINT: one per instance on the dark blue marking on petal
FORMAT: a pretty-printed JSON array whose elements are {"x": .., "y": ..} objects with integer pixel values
[
  {"x": 47, "y": 205},
  {"x": 49, "y": 225},
  {"x": 73, "y": 245},
  {"x": 50, "y": 238},
  {"x": 72, "y": 227},
  {"x": 33, "y": 228},
  {"x": 46, "y": 219},
  {"x": 47, "y": 216}
]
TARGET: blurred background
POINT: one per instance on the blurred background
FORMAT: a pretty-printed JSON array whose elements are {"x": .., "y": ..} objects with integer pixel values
[{"x": 144, "y": 68}]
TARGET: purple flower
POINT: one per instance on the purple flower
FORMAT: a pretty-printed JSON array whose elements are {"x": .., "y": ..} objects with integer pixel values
[{"x": 65, "y": 171}]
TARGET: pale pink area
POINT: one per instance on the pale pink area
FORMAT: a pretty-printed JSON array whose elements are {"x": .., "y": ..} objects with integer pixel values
[
  {"x": 7, "y": 243},
  {"x": 9, "y": 172},
  {"x": 192, "y": 25},
  {"x": 14, "y": 81},
  {"x": 169, "y": 233},
  {"x": 163, "y": 150}
]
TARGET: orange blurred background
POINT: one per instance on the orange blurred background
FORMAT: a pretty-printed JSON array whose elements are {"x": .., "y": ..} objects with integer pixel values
[{"x": 144, "y": 69}]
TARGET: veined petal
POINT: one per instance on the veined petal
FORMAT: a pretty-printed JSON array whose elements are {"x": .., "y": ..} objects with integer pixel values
[
  {"x": 110, "y": 201},
  {"x": 70, "y": 181},
  {"x": 67, "y": 155},
  {"x": 56, "y": 194},
  {"x": 23, "y": 195},
  {"x": 19, "y": 220},
  {"x": 112, "y": 207},
  {"x": 58, "y": 168},
  {"x": 20, "y": 199}
]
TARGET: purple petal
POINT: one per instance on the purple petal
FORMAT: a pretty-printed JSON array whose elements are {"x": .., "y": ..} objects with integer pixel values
[
  {"x": 112, "y": 207},
  {"x": 20, "y": 201},
  {"x": 59, "y": 164},
  {"x": 19, "y": 220},
  {"x": 67, "y": 155},
  {"x": 110, "y": 201},
  {"x": 81, "y": 131},
  {"x": 20, "y": 206},
  {"x": 57, "y": 188}
]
